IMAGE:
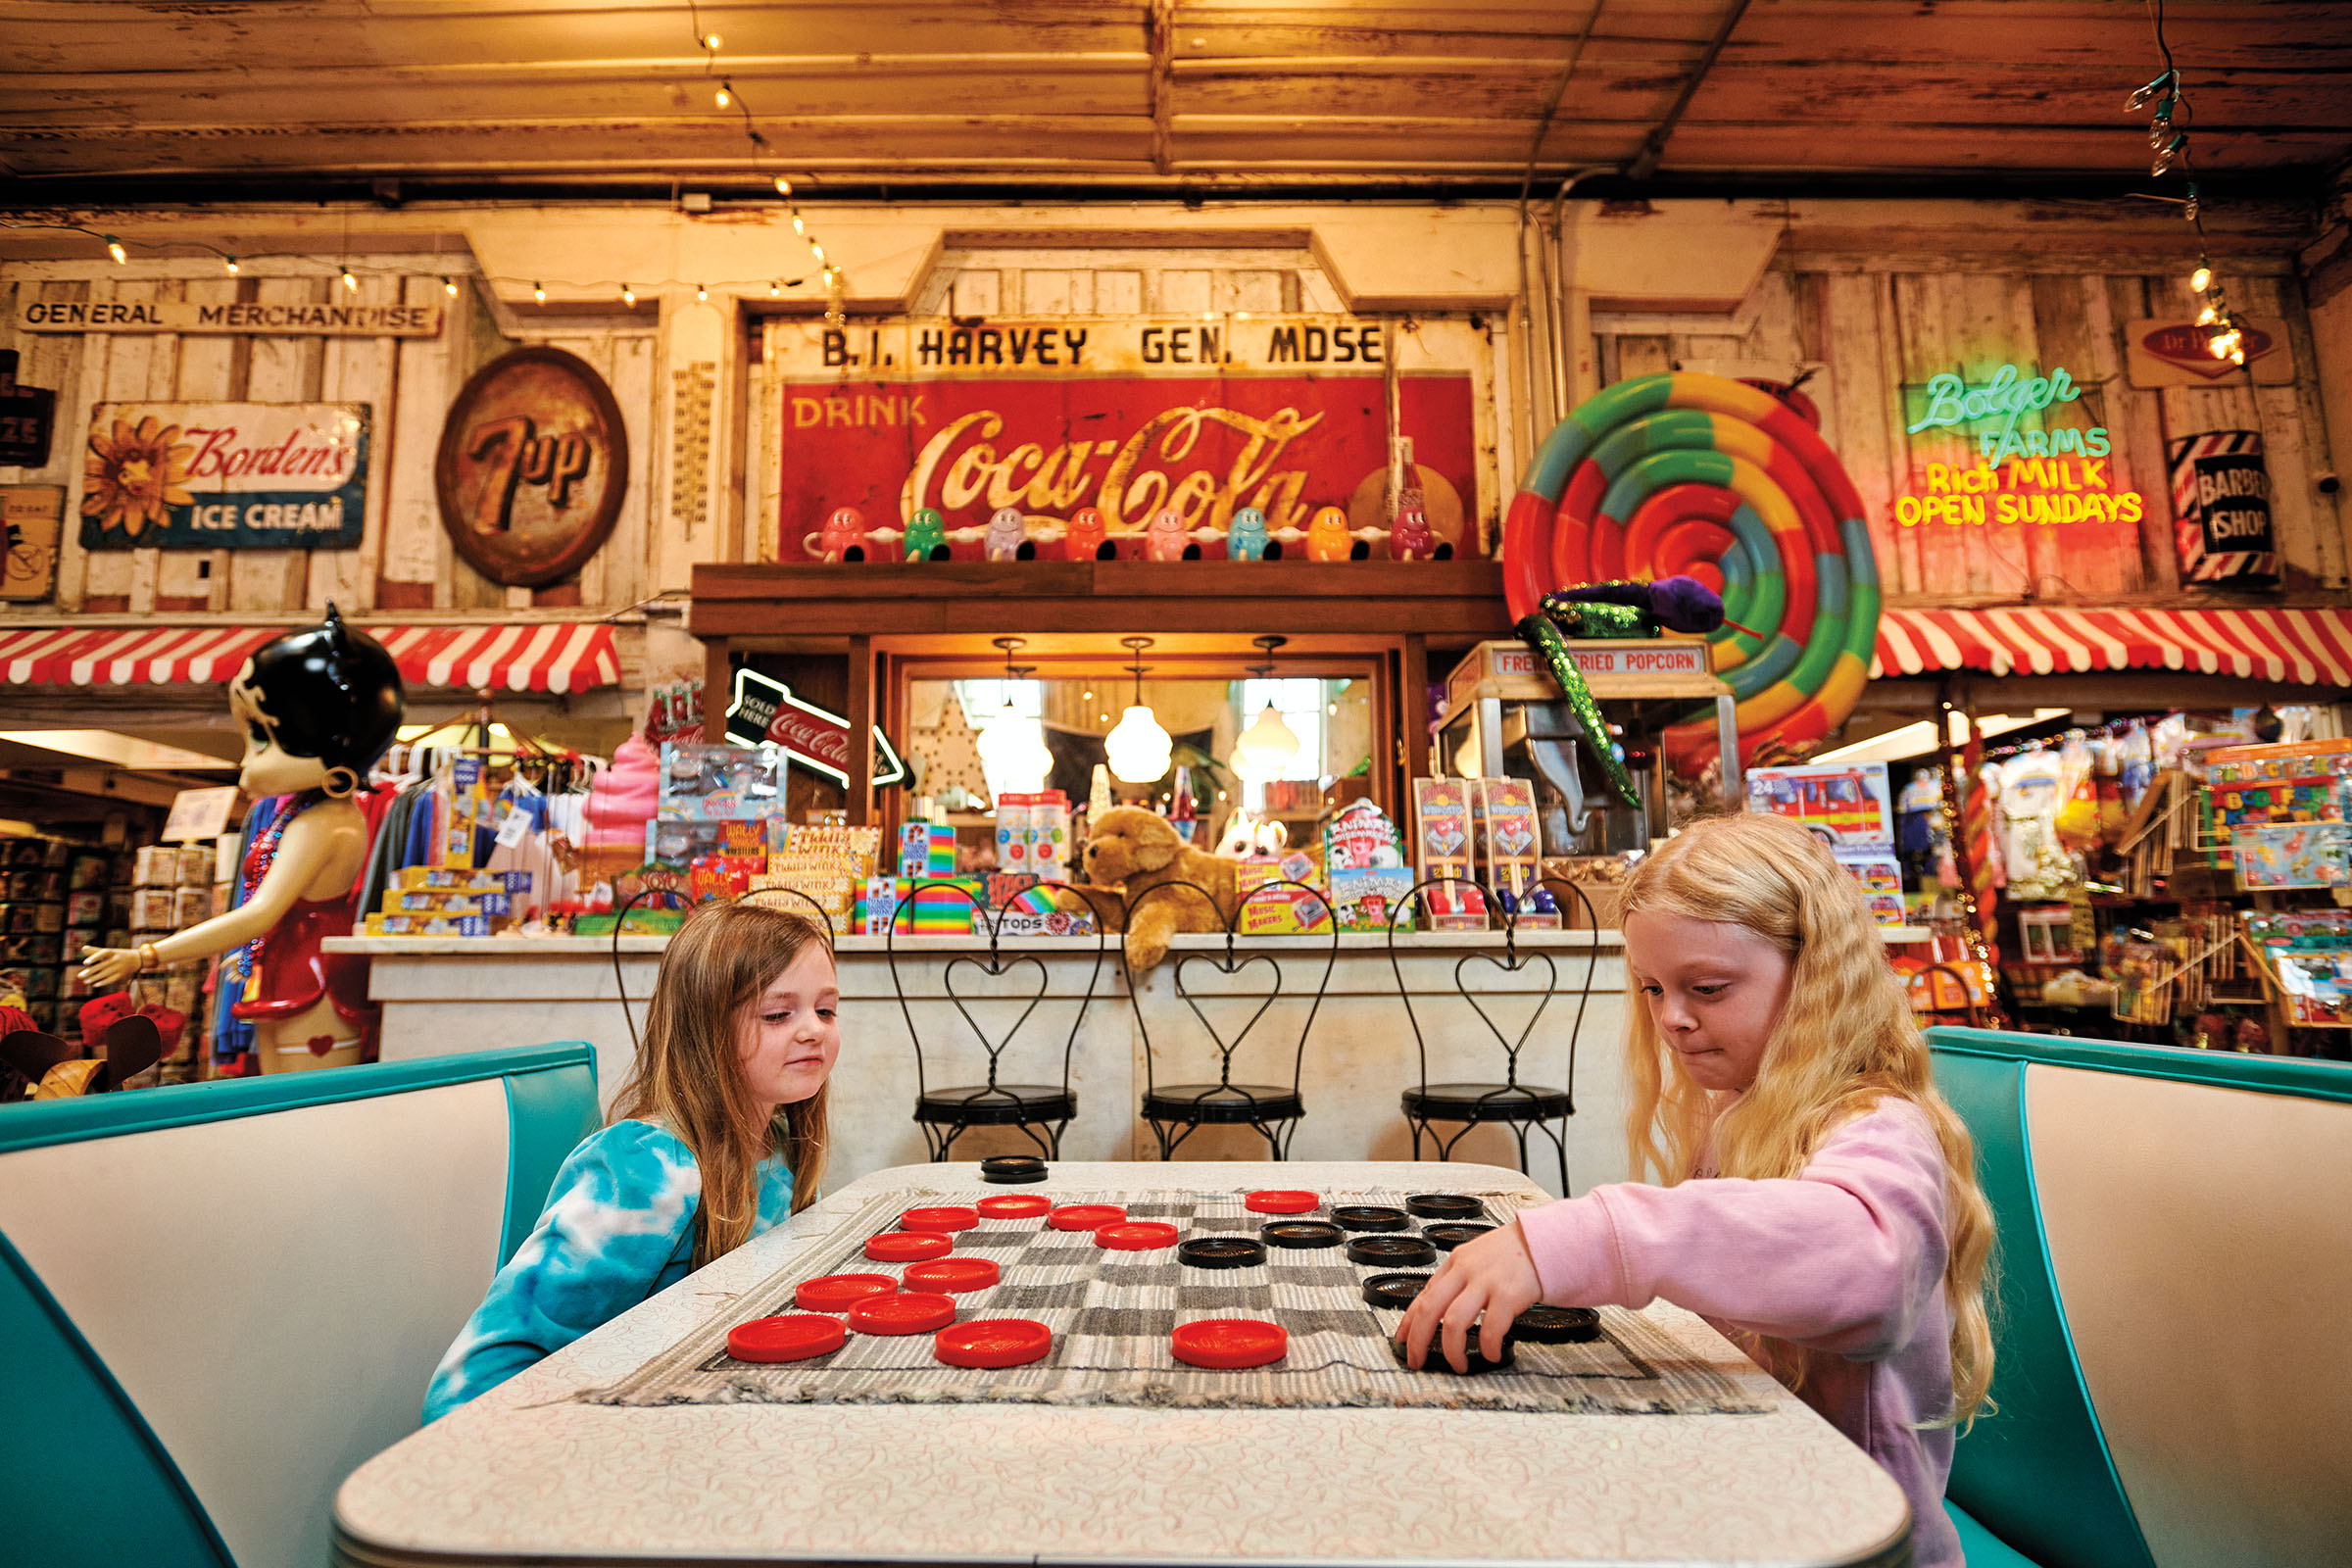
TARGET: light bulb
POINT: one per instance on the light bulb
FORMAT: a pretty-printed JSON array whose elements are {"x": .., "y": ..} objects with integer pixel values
[
  {"x": 1014, "y": 751},
  {"x": 798, "y": 225},
  {"x": 1137, "y": 748},
  {"x": 783, "y": 187},
  {"x": 2237, "y": 354},
  {"x": 710, "y": 41},
  {"x": 114, "y": 248},
  {"x": 2201, "y": 278},
  {"x": 816, "y": 250},
  {"x": 722, "y": 95},
  {"x": 449, "y": 286},
  {"x": 628, "y": 295},
  {"x": 1265, "y": 748},
  {"x": 349, "y": 281},
  {"x": 775, "y": 289},
  {"x": 2139, "y": 99},
  {"x": 2208, "y": 315},
  {"x": 701, "y": 293},
  {"x": 539, "y": 293},
  {"x": 231, "y": 263}
]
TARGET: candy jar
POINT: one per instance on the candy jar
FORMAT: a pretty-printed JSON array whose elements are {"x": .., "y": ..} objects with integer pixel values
[
  {"x": 1083, "y": 538},
  {"x": 926, "y": 536},
  {"x": 1166, "y": 539},
  {"x": 1008, "y": 535},
  {"x": 844, "y": 536},
  {"x": 1327, "y": 536},
  {"x": 1246, "y": 539}
]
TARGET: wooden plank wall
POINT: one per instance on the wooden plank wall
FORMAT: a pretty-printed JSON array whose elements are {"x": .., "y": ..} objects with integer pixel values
[
  {"x": 403, "y": 561},
  {"x": 1875, "y": 330}
]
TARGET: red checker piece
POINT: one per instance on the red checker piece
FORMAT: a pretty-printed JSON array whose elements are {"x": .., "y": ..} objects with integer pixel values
[
  {"x": 908, "y": 1247},
  {"x": 1230, "y": 1342},
  {"x": 1014, "y": 1205},
  {"x": 786, "y": 1339},
  {"x": 912, "y": 1313},
  {"x": 1281, "y": 1202},
  {"x": 953, "y": 1275},
  {"x": 837, "y": 1293},
  {"x": 1084, "y": 1216},
  {"x": 993, "y": 1341},
  {"x": 1136, "y": 1236},
  {"x": 939, "y": 1219}
]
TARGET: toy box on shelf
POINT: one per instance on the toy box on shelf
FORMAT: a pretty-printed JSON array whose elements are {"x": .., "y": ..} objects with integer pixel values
[
  {"x": 1842, "y": 803},
  {"x": 1365, "y": 866},
  {"x": 1443, "y": 847},
  {"x": 2306, "y": 956},
  {"x": 1285, "y": 912}
]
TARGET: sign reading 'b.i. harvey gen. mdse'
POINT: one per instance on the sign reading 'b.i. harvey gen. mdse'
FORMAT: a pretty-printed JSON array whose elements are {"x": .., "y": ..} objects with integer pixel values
[{"x": 226, "y": 476}]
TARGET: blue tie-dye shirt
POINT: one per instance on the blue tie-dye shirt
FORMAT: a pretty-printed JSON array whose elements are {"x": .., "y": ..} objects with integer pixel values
[{"x": 618, "y": 1226}]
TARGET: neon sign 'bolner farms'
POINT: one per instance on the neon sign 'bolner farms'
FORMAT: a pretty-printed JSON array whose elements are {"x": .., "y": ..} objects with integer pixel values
[{"x": 2009, "y": 396}]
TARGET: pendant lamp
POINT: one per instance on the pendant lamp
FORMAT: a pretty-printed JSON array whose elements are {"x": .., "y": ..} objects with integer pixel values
[
  {"x": 1138, "y": 747},
  {"x": 1011, "y": 749},
  {"x": 1268, "y": 745}
]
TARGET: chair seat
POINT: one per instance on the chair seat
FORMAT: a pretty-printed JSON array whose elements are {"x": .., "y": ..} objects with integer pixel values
[
  {"x": 1239, "y": 1104},
  {"x": 1485, "y": 1102},
  {"x": 1004, "y": 1105}
]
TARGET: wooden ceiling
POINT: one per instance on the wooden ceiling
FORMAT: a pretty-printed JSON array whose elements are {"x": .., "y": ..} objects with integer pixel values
[{"x": 607, "y": 93}]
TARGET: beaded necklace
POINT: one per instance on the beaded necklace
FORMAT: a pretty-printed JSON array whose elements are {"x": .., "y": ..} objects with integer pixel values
[{"x": 247, "y": 961}]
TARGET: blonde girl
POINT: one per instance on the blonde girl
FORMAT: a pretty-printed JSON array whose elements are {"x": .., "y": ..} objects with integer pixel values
[
  {"x": 718, "y": 1135},
  {"x": 1819, "y": 1201}
]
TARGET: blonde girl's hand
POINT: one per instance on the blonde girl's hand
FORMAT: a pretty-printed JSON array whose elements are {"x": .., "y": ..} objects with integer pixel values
[{"x": 1494, "y": 1275}]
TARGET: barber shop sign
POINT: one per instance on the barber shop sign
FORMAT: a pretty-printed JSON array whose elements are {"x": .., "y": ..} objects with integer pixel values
[{"x": 226, "y": 476}]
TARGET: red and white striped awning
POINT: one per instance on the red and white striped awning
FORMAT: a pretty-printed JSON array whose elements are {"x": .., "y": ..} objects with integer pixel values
[
  {"x": 549, "y": 657},
  {"x": 2304, "y": 647}
]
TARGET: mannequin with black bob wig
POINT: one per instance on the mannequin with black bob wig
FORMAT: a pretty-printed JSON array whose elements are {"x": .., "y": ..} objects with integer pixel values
[{"x": 317, "y": 707}]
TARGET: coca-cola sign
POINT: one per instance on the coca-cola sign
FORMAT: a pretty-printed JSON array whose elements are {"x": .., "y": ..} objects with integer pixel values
[
  {"x": 226, "y": 476},
  {"x": 766, "y": 711}
]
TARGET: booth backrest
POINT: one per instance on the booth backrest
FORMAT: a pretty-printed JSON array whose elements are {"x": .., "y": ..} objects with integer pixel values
[
  {"x": 217, "y": 1300},
  {"x": 2174, "y": 1368}
]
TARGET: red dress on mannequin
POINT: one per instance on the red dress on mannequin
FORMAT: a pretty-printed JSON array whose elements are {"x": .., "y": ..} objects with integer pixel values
[{"x": 290, "y": 972}]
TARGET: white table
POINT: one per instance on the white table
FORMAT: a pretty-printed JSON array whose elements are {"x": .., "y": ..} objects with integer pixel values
[{"x": 524, "y": 1475}]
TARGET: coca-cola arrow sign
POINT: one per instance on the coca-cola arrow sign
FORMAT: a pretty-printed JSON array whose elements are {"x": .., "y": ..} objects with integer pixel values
[{"x": 766, "y": 711}]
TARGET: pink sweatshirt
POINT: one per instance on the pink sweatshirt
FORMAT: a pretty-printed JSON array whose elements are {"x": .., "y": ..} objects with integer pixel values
[{"x": 1846, "y": 1258}]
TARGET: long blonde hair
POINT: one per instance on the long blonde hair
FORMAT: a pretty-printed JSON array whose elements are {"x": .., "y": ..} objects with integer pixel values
[
  {"x": 1844, "y": 1039},
  {"x": 688, "y": 1078}
]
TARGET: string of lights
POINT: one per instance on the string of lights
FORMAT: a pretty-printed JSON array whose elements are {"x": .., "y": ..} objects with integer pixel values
[
  {"x": 724, "y": 96},
  {"x": 2168, "y": 144}
]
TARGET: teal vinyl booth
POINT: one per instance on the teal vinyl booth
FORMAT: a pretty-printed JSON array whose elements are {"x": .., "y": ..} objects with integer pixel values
[
  {"x": 217, "y": 1300},
  {"x": 2175, "y": 1332}
]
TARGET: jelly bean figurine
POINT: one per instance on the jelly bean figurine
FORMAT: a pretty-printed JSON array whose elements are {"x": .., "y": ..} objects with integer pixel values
[
  {"x": 1327, "y": 536},
  {"x": 1245, "y": 539},
  {"x": 1541, "y": 901},
  {"x": 1168, "y": 538},
  {"x": 1085, "y": 538},
  {"x": 926, "y": 536},
  {"x": 1008, "y": 535},
  {"x": 1410, "y": 538},
  {"x": 1507, "y": 901},
  {"x": 844, "y": 536}
]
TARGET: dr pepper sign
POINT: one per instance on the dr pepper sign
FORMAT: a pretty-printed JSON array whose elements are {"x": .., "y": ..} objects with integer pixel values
[{"x": 532, "y": 466}]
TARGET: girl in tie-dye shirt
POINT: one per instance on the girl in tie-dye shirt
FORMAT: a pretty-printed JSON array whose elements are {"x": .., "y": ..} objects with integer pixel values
[{"x": 718, "y": 1135}]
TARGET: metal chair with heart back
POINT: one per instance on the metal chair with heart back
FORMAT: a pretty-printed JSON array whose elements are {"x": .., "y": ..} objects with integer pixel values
[
  {"x": 1522, "y": 1108},
  {"x": 1177, "y": 1111},
  {"x": 1041, "y": 1112}
]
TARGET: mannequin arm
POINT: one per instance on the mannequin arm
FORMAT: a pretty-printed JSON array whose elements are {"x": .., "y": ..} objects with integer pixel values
[{"x": 311, "y": 840}]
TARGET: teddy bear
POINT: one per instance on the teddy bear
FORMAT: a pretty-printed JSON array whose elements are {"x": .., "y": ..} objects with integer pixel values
[{"x": 1129, "y": 851}]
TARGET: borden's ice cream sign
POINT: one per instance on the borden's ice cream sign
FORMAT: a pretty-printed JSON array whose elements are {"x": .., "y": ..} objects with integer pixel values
[{"x": 225, "y": 476}]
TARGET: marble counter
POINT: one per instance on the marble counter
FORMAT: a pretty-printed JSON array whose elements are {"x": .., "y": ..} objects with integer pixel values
[
  {"x": 469, "y": 995},
  {"x": 524, "y": 1475}
]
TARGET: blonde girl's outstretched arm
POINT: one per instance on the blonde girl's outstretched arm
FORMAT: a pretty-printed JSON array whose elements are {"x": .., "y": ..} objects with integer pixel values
[{"x": 1844, "y": 1257}]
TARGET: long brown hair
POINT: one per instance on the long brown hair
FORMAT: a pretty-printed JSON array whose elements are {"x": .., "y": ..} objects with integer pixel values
[
  {"x": 1846, "y": 1040},
  {"x": 688, "y": 1078}
]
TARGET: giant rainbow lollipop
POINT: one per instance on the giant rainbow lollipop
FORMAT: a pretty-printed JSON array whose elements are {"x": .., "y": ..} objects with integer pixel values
[{"x": 1711, "y": 477}]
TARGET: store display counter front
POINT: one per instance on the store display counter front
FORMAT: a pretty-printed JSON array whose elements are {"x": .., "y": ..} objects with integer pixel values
[{"x": 1358, "y": 1053}]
